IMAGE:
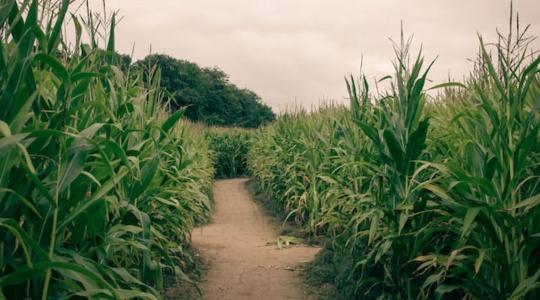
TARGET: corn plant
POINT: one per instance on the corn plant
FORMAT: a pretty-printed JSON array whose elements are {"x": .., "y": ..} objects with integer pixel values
[
  {"x": 491, "y": 183},
  {"x": 229, "y": 147},
  {"x": 99, "y": 185},
  {"x": 420, "y": 197}
]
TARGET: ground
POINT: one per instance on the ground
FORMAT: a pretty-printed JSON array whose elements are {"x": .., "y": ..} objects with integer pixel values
[{"x": 240, "y": 252}]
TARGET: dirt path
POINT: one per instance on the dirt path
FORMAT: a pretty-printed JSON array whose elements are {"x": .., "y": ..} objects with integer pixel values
[{"x": 242, "y": 265}]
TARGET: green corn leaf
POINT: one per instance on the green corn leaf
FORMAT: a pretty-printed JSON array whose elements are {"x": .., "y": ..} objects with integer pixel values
[
  {"x": 78, "y": 31},
  {"x": 9, "y": 141},
  {"x": 110, "y": 44},
  {"x": 172, "y": 120},
  {"x": 58, "y": 69},
  {"x": 20, "y": 235},
  {"x": 441, "y": 290},
  {"x": 526, "y": 204},
  {"x": 147, "y": 174},
  {"x": 373, "y": 228},
  {"x": 479, "y": 260},
  {"x": 5, "y": 9},
  {"x": 25, "y": 201},
  {"x": 370, "y": 132},
  {"x": 96, "y": 197},
  {"x": 73, "y": 170},
  {"x": 54, "y": 35},
  {"x": 529, "y": 284},
  {"x": 4, "y": 129},
  {"x": 27, "y": 242},
  {"x": 468, "y": 220},
  {"x": 117, "y": 150},
  {"x": 448, "y": 85},
  {"x": 25, "y": 273},
  {"x": 416, "y": 141},
  {"x": 394, "y": 147},
  {"x": 16, "y": 22},
  {"x": 24, "y": 113},
  {"x": 85, "y": 75}
]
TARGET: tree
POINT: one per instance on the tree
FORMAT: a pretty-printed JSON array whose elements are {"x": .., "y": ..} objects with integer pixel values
[{"x": 207, "y": 93}]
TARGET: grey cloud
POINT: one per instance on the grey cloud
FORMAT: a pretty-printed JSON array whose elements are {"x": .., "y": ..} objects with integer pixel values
[{"x": 301, "y": 49}]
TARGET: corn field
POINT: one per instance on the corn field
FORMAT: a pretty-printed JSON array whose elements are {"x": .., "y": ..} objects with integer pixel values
[
  {"x": 420, "y": 196},
  {"x": 100, "y": 185},
  {"x": 420, "y": 191},
  {"x": 229, "y": 149}
]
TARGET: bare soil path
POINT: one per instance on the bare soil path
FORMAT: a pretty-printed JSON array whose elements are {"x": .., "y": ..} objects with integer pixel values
[{"x": 242, "y": 263}]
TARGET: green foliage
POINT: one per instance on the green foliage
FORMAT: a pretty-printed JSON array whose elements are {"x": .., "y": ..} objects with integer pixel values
[
  {"x": 207, "y": 94},
  {"x": 99, "y": 185},
  {"x": 420, "y": 199},
  {"x": 229, "y": 148}
]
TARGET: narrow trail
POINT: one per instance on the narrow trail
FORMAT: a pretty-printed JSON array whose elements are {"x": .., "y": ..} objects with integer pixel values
[{"x": 242, "y": 264}]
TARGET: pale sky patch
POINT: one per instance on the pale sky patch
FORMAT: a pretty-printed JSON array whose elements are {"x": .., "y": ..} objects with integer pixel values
[{"x": 298, "y": 51}]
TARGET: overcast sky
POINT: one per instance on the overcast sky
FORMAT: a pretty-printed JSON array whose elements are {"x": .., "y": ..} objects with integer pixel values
[{"x": 300, "y": 50}]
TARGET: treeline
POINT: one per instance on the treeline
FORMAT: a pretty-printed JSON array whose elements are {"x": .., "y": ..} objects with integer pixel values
[{"x": 207, "y": 94}]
